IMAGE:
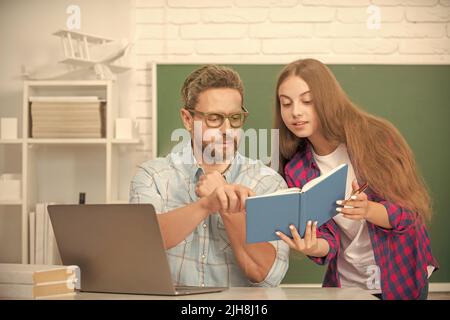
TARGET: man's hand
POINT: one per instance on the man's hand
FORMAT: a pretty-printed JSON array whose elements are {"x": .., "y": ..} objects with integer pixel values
[
  {"x": 229, "y": 198},
  {"x": 208, "y": 183}
]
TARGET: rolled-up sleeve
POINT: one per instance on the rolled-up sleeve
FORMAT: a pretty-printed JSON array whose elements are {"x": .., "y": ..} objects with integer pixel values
[
  {"x": 279, "y": 267},
  {"x": 400, "y": 218},
  {"x": 329, "y": 232},
  {"x": 143, "y": 189}
]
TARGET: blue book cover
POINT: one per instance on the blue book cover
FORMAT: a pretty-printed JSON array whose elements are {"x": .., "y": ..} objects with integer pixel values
[{"x": 316, "y": 201}]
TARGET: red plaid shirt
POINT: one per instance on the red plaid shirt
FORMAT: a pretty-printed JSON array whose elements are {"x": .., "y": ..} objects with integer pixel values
[{"x": 402, "y": 253}]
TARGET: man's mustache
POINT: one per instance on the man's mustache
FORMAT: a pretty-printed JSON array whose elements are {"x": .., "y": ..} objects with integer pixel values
[{"x": 224, "y": 140}]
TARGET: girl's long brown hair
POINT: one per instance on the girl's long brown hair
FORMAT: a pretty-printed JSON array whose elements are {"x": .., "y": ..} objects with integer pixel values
[{"x": 379, "y": 153}]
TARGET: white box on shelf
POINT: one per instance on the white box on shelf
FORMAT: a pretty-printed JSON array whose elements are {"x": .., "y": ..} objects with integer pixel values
[
  {"x": 10, "y": 186},
  {"x": 8, "y": 128},
  {"x": 124, "y": 128}
]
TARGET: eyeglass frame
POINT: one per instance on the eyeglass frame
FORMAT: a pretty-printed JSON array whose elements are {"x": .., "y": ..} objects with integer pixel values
[{"x": 224, "y": 116}]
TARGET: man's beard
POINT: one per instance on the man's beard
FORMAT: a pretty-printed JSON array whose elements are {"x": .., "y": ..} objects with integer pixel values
[{"x": 216, "y": 152}]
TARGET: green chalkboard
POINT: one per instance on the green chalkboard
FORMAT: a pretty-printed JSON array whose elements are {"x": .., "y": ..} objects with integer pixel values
[{"x": 415, "y": 98}]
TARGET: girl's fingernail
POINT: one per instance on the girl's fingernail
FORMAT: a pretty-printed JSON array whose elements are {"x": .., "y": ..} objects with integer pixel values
[
  {"x": 338, "y": 209},
  {"x": 291, "y": 227},
  {"x": 353, "y": 198},
  {"x": 315, "y": 223},
  {"x": 348, "y": 207},
  {"x": 339, "y": 202},
  {"x": 277, "y": 233},
  {"x": 309, "y": 223}
]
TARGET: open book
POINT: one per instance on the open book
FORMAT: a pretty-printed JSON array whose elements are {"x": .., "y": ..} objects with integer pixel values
[{"x": 316, "y": 201}]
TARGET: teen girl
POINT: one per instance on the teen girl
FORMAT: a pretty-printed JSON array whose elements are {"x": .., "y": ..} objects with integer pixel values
[{"x": 378, "y": 241}]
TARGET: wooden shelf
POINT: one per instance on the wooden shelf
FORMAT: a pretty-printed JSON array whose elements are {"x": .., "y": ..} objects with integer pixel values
[
  {"x": 119, "y": 202},
  {"x": 102, "y": 158},
  {"x": 67, "y": 141},
  {"x": 10, "y": 202},
  {"x": 66, "y": 83},
  {"x": 128, "y": 141},
  {"x": 81, "y": 141},
  {"x": 14, "y": 141}
]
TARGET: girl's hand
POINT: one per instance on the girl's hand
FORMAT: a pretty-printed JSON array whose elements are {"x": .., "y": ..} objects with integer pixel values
[
  {"x": 357, "y": 208},
  {"x": 307, "y": 245}
]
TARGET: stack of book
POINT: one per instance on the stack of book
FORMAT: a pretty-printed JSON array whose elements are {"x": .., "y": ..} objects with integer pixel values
[
  {"x": 25, "y": 281},
  {"x": 67, "y": 117},
  {"x": 43, "y": 246}
]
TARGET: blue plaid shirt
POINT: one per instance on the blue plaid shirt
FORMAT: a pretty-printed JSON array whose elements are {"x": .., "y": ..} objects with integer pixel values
[{"x": 205, "y": 257}]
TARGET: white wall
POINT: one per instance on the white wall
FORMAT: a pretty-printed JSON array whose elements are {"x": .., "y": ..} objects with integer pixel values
[{"x": 280, "y": 31}]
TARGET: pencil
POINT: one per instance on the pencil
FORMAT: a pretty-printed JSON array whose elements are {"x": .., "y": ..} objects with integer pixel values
[{"x": 356, "y": 192}]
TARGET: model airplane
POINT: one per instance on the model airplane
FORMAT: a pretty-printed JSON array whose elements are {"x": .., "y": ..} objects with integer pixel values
[{"x": 84, "y": 52}]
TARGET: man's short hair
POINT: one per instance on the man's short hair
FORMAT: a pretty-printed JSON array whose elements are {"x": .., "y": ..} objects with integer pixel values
[{"x": 209, "y": 77}]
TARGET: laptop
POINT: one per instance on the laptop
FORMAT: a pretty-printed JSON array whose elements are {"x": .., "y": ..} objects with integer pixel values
[{"x": 118, "y": 247}]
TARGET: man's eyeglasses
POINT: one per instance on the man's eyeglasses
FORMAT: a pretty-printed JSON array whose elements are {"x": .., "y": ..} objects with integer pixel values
[{"x": 216, "y": 120}]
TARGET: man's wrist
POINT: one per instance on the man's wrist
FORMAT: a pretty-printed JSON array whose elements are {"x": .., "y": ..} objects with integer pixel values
[{"x": 203, "y": 203}]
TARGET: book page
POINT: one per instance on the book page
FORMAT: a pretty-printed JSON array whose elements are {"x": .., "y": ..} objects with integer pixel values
[
  {"x": 279, "y": 192},
  {"x": 317, "y": 180}
]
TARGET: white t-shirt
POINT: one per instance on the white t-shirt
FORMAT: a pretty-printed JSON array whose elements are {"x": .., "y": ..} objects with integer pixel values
[{"x": 356, "y": 261}]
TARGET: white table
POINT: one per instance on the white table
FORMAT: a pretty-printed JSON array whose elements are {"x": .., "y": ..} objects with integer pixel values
[{"x": 238, "y": 293}]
